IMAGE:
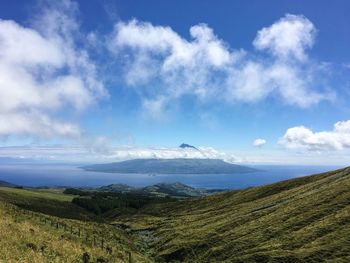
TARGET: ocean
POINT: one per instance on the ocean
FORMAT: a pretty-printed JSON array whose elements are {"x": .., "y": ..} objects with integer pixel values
[{"x": 35, "y": 175}]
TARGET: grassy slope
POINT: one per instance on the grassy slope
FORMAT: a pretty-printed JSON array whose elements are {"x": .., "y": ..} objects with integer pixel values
[
  {"x": 18, "y": 231},
  {"x": 301, "y": 220},
  {"x": 53, "y": 194},
  {"x": 47, "y": 202}
]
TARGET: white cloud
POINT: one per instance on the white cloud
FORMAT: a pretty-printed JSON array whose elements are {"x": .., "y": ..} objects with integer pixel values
[
  {"x": 301, "y": 137},
  {"x": 259, "y": 142},
  {"x": 172, "y": 153},
  {"x": 295, "y": 85},
  {"x": 346, "y": 65},
  {"x": 42, "y": 72},
  {"x": 289, "y": 37},
  {"x": 27, "y": 124},
  {"x": 156, "y": 107},
  {"x": 160, "y": 63},
  {"x": 98, "y": 151}
]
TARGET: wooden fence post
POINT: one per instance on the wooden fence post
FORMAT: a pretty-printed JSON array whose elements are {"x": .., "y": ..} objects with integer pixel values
[{"x": 129, "y": 257}]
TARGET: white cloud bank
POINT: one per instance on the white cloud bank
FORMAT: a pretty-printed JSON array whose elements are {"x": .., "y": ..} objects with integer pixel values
[
  {"x": 112, "y": 154},
  {"x": 301, "y": 137},
  {"x": 42, "y": 72},
  {"x": 259, "y": 142},
  {"x": 164, "y": 66}
]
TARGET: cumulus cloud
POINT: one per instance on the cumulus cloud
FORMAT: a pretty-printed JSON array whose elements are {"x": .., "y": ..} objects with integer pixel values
[
  {"x": 259, "y": 142},
  {"x": 301, "y": 137},
  {"x": 287, "y": 38},
  {"x": 100, "y": 152},
  {"x": 164, "y": 66},
  {"x": 42, "y": 72}
]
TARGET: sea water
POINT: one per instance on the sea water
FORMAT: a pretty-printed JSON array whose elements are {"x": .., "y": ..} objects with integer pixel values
[{"x": 71, "y": 175}]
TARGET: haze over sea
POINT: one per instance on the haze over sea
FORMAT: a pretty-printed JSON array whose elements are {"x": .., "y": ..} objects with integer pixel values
[{"x": 32, "y": 174}]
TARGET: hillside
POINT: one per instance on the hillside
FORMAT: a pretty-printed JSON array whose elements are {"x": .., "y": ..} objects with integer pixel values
[
  {"x": 36, "y": 226},
  {"x": 161, "y": 189},
  {"x": 301, "y": 220},
  {"x": 6, "y": 184},
  {"x": 170, "y": 166},
  {"x": 176, "y": 190}
]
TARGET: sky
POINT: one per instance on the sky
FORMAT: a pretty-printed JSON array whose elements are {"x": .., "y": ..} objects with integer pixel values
[{"x": 244, "y": 81}]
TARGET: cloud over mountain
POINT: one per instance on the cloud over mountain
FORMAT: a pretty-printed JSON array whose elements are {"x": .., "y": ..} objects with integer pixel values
[{"x": 88, "y": 153}]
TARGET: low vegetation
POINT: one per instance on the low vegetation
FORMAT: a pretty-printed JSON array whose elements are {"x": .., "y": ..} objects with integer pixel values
[
  {"x": 102, "y": 202},
  {"x": 174, "y": 190},
  {"x": 29, "y": 236},
  {"x": 47, "y": 202},
  {"x": 301, "y": 220}
]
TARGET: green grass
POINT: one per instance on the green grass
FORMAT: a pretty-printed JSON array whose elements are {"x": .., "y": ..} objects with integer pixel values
[
  {"x": 26, "y": 237},
  {"x": 301, "y": 220},
  {"x": 47, "y": 202},
  {"x": 53, "y": 194}
]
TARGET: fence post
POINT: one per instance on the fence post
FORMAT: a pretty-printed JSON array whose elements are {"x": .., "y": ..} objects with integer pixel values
[
  {"x": 129, "y": 257},
  {"x": 102, "y": 243},
  {"x": 79, "y": 231}
]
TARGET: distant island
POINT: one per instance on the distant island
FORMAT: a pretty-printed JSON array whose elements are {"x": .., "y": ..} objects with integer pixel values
[{"x": 170, "y": 166}]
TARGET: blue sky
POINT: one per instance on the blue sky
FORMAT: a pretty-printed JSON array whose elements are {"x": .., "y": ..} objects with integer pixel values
[{"x": 246, "y": 81}]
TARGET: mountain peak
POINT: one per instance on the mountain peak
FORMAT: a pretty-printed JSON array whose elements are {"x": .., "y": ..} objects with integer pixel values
[{"x": 185, "y": 145}]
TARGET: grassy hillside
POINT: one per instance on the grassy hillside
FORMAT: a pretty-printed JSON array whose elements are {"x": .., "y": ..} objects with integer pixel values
[
  {"x": 27, "y": 236},
  {"x": 49, "y": 202},
  {"x": 301, "y": 220}
]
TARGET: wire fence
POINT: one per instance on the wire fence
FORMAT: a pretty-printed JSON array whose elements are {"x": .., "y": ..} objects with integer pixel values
[{"x": 90, "y": 239}]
